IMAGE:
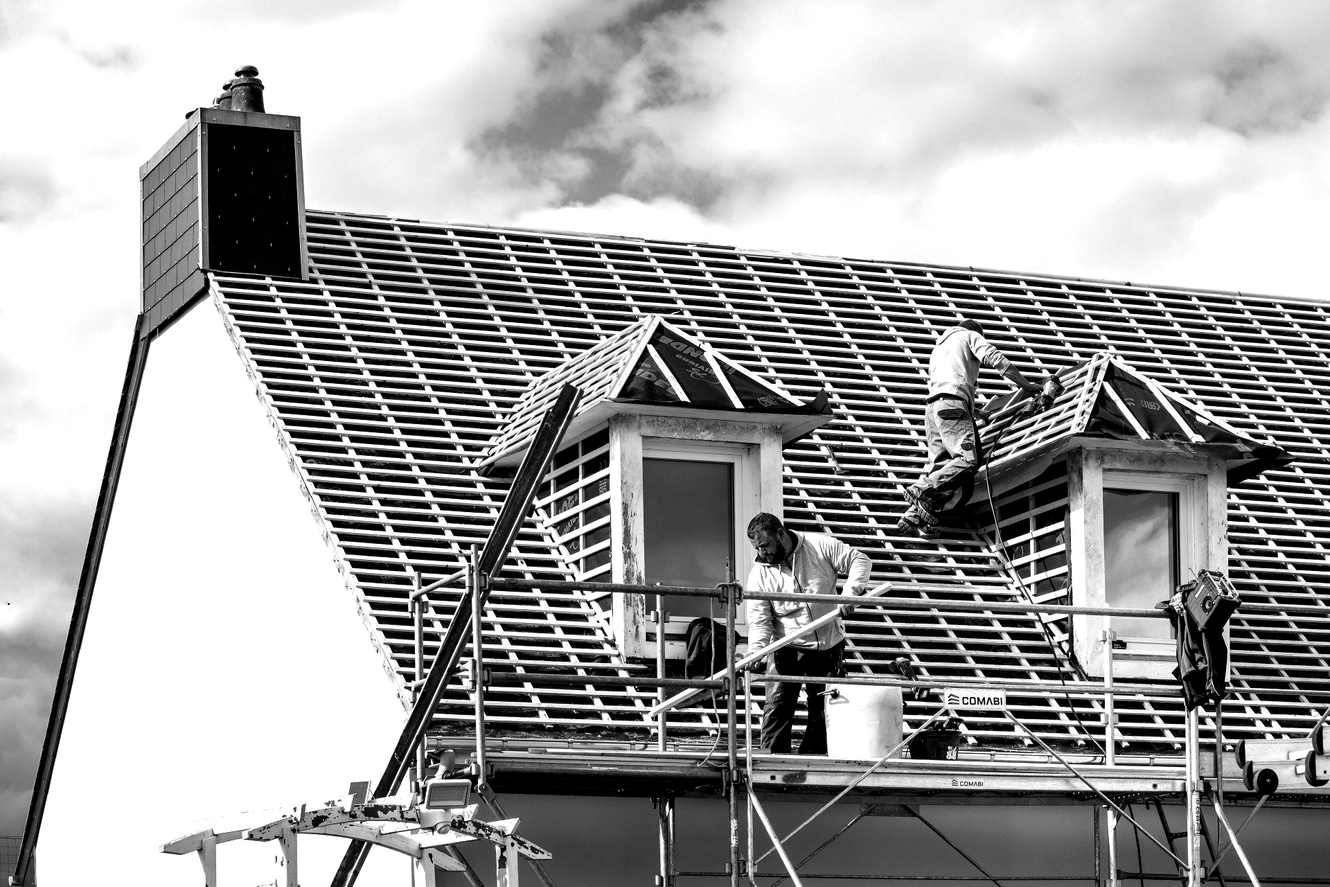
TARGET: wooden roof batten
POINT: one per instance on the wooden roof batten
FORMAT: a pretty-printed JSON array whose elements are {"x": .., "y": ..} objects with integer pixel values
[{"x": 654, "y": 366}]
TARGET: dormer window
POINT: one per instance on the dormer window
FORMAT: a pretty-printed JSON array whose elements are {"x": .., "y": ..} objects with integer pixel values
[
  {"x": 689, "y": 520},
  {"x": 1143, "y": 548},
  {"x": 1141, "y": 563},
  {"x": 1143, "y": 519},
  {"x": 674, "y": 446},
  {"x": 1147, "y": 475}
]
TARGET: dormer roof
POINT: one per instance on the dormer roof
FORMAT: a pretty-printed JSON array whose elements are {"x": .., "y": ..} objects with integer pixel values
[
  {"x": 652, "y": 362},
  {"x": 1107, "y": 397}
]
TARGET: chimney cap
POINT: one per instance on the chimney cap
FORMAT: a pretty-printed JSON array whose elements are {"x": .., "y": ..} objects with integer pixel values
[{"x": 247, "y": 90}]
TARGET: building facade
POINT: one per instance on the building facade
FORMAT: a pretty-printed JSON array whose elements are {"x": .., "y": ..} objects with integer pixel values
[{"x": 384, "y": 376}]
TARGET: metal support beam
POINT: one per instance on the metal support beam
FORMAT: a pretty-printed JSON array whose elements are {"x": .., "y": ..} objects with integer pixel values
[
  {"x": 1092, "y": 787},
  {"x": 665, "y": 830},
  {"x": 1193, "y": 760},
  {"x": 1254, "y": 810},
  {"x": 849, "y": 788},
  {"x": 748, "y": 771},
  {"x": 732, "y": 593},
  {"x": 823, "y": 846},
  {"x": 505, "y": 865},
  {"x": 287, "y": 841},
  {"x": 418, "y": 604},
  {"x": 775, "y": 840},
  {"x": 475, "y": 586},
  {"x": 511, "y": 515},
  {"x": 1237, "y": 848},
  {"x": 208, "y": 859},
  {"x": 661, "y": 620},
  {"x": 1112, "y": 814},
  {"x": 1098, "y": 860},
  {"x": 935, "y": 830}
]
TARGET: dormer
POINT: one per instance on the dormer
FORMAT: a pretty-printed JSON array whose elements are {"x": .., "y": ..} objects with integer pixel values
[
  {"x": 1146, "y": 474},
  {"x": 673, "y": 448}
]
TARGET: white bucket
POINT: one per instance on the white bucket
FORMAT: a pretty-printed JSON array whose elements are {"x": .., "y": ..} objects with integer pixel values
[{"x": 863, "y": 721}]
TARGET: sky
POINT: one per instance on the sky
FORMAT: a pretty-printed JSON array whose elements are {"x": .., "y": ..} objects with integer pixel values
[{"x": 1166, "y": 142}]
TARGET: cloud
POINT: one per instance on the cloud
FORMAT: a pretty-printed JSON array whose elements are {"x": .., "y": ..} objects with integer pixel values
[
  {"x": 25, "y": 194},
  {"x": 116, "y": 57},
  {"x": 16, "y": 399},
  {"x": 1265, "y": 91},
  {"x": 40, "y": 560},
  {"x": 573, "y": 125},
  {"x": 41, "y": 553}
]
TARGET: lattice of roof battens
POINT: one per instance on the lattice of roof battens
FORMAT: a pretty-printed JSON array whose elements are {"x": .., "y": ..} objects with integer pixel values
[
  {"x": 1107, "y": 397},
  {"x": 396, "y": 364},
  {"x": 649, "y": 362}
]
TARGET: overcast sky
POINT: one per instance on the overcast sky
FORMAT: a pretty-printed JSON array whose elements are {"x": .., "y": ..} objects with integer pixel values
[{"x": 1163, "y": 142}]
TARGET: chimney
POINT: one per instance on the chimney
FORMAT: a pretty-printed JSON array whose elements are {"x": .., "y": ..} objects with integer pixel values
[{"x": 224, "y": 194}]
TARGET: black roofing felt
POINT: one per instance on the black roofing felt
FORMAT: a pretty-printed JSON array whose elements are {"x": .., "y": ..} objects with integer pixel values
[{"x": 393, "y": 369}]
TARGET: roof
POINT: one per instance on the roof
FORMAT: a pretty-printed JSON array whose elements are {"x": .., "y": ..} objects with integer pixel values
[
  {"x": 648, "y": 362},
  {"x": 1106, "y": 397},
  {"x": 407, "y": 355}
]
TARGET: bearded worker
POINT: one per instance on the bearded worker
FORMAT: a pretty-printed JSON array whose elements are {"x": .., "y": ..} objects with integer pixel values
[{"x": 799, "y": 563}]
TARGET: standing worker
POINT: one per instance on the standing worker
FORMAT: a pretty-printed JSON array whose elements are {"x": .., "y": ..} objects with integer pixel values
[
  {"x": 949, "y": 426},
  {"x": 803, "y": 563}
]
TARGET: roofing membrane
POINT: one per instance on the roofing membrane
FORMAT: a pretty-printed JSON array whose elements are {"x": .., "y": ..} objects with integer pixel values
[{"x": 401, "y": 363}]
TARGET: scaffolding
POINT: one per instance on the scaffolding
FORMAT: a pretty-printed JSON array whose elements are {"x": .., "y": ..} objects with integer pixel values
[{"x": 743, "y": 794}]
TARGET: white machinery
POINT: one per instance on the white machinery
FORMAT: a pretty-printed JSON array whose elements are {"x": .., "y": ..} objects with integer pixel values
[{"x": 423, "y": 828}]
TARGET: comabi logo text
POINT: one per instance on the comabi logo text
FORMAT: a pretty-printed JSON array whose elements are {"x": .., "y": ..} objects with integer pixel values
[{"x": 953, "y": 698}]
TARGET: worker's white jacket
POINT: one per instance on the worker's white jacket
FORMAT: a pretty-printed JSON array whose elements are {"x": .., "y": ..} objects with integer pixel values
[
  {"x": 953, "y": 367},
  {"x": 811, "y": 569}
]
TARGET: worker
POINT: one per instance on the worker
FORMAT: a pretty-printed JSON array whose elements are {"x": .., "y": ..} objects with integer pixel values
[
  {"x": 949, "y": 426},
  {"x": 799, "y": 563}
]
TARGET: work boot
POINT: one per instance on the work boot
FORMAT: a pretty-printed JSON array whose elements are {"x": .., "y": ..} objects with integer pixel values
[
  {"x": 920, "y": 495},
  {"x": 917, "y": 521}
]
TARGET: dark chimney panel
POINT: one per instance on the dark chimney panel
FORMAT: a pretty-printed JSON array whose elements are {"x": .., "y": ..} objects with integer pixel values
[{"x": 253, "y": 202}]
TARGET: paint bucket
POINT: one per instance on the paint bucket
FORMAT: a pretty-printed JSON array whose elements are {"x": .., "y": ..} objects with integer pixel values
[
  {"x": 935, "y": 745},
  {"x": 863, "y": 721}
]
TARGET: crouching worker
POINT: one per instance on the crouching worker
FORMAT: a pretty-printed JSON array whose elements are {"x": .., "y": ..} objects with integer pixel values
[
  {"x": 799, "y": 563},
  {"x": 950, "y": 432}
]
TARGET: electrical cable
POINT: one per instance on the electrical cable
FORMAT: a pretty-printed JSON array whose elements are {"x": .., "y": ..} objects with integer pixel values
[{"x": 1020, "y": 583}]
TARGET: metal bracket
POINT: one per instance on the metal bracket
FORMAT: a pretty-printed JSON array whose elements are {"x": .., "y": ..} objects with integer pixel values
[
  {"x": 480, "y": 675},
  {"x": 728, "y": 588}
]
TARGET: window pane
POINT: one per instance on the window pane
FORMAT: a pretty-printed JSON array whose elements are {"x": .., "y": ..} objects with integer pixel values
[
  {"x": 689, "y": 527},
  {"x": 1140, "y": 556}
]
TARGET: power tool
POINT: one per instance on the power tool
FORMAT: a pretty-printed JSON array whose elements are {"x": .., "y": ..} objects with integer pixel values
[{"x": 1046, "y": 395}]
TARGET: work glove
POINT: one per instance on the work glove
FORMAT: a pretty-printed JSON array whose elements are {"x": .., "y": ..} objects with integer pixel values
[{"x": 759, "y": 666}]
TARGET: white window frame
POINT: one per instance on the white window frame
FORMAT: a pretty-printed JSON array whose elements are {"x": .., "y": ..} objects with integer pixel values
[
  {"x": 1201, "y": 484},
  {"x": 755, "y": 452}
]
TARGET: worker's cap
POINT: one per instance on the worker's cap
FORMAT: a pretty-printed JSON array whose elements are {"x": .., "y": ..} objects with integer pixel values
[{"x": 973, "y": 325}]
